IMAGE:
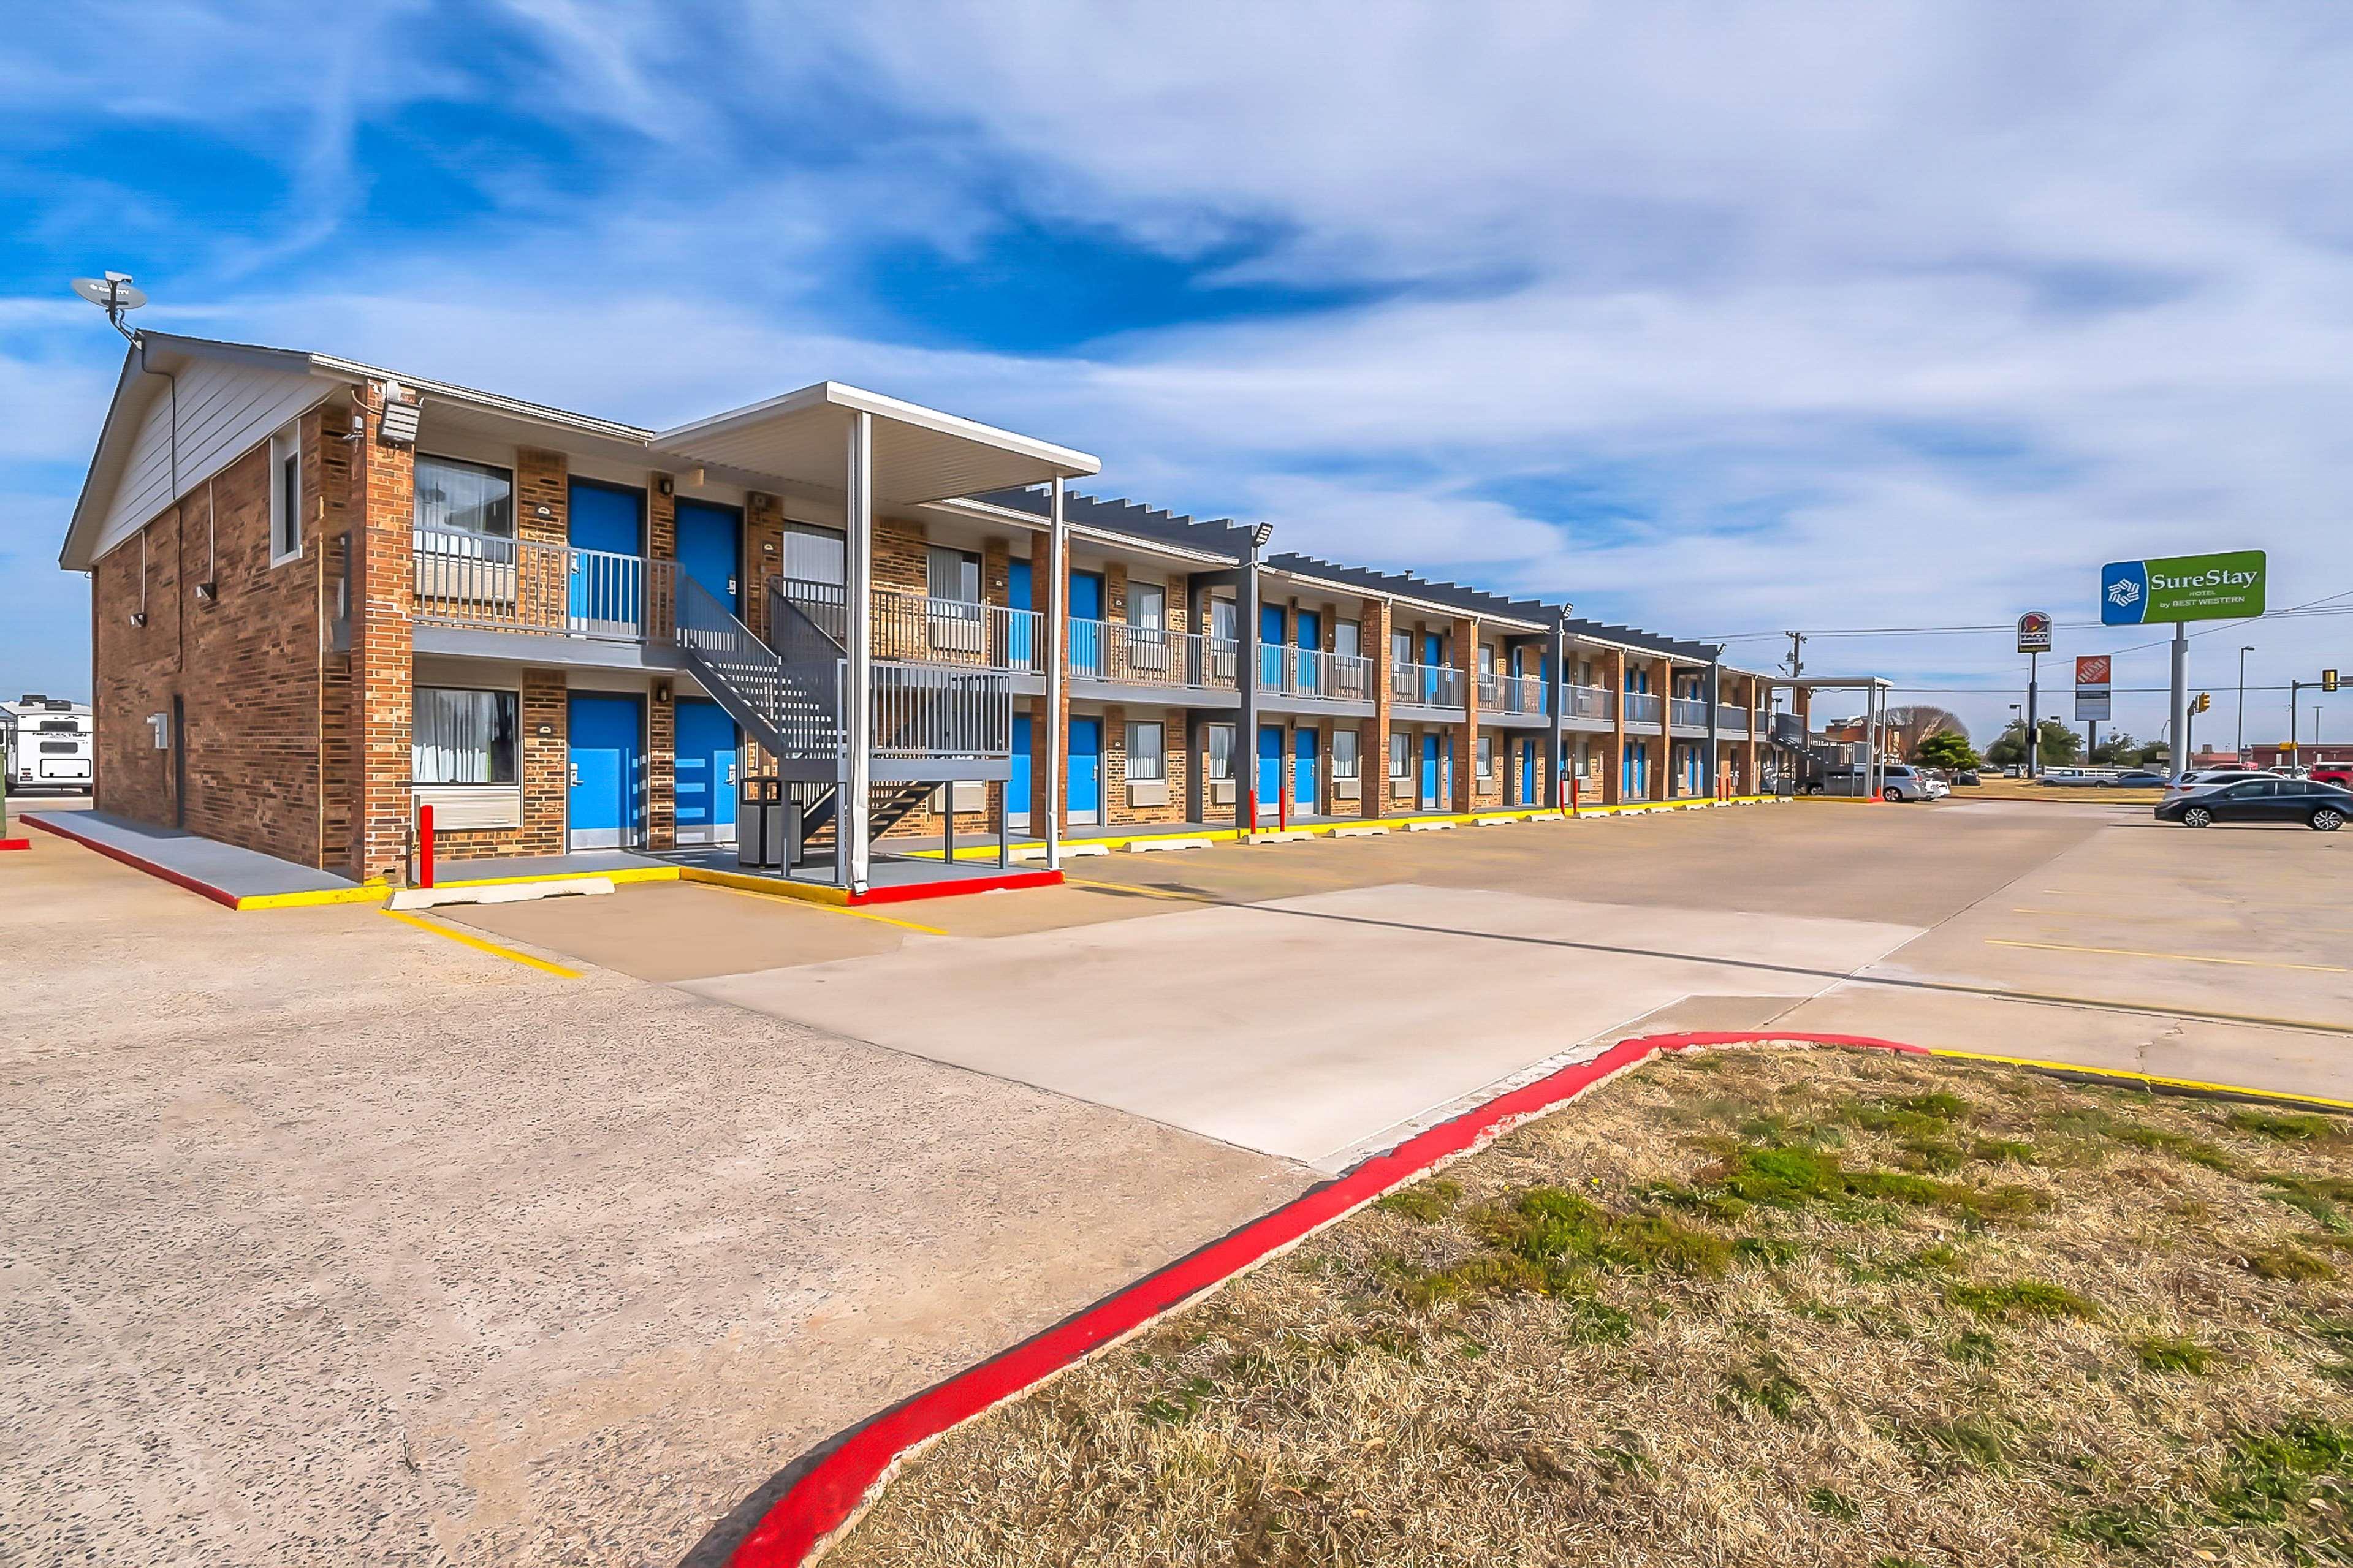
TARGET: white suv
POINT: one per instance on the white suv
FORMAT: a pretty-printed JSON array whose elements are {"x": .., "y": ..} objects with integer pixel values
[{"x": 1899, "y": 782}]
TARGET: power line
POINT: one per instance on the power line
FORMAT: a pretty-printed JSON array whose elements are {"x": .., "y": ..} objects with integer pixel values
[{"x": 2311, "y": 608}]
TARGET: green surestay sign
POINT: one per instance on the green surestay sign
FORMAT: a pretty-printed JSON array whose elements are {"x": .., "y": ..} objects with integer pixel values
[{"x": 2228, "y": 586}]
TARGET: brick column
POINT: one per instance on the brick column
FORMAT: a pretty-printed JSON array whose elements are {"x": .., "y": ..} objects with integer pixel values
[
  {"x": 763, "y": 555},
  {"x": 661, "y": 765},
  {"x": 1466, "y": 734},
  {"x": 1373, "y": 788},
  {"x": 1613, "y": 767},
  {"x": 383, "y": 648},
  {"x": 546, "y": 763},
  {"x": 1662, "y": 770}
]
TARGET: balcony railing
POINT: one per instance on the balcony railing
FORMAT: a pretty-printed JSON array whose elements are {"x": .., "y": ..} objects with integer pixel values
[
  {"x": 482, "y": 583},
  {"x": 1150, "y": 655},
  {"x": 1689, "y": 713},
  {"x": 1426, "y": 685},
  {"x": 1589, "y": 702},
  {"x": 1730, "y": 720},
  {"x": 1641, "y": 707},
  {"x": 1511, "y": 694},
  {"x": 928, "y": 709},
  {"x": 1312, "y": 672},
  {"x": 918, "y": 629}
]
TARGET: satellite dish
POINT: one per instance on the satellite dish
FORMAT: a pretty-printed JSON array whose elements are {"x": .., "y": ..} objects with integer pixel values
[{"x": 114, "y": 294}]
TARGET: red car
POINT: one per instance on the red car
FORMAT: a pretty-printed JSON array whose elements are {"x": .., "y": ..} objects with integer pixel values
[{"x": 2334, "y": 773}]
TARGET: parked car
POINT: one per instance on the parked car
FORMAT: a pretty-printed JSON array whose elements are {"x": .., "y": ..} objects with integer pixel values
[
  {"x": 2140, "y": 778},
  {"x": 2323, "y": 807},
  {"x": 1967, "y": 777},
  {"x": 2338, "y": 773},
  {"x": 1900, "y": 782},
  {"x": 2210, "y": 778}
]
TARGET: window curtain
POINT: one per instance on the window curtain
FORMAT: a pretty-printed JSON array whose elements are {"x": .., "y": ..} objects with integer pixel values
[
  {"x": 1221, "y": 751},
  {"x": 463, "y": 737},
  {"x": 1145, "y": 763},
  {"x": 464, "y": 498}
]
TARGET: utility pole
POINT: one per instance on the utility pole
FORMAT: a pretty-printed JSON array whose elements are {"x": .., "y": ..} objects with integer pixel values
[
  {"x": 1797, "y": 655},
  {"x": 2243, "y": 704},
  {"x": 2180, "y": 699}
]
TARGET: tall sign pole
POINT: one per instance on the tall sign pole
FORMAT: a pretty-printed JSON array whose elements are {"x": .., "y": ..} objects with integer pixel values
[
  {"x": 2227, "y": 585},
  {"x": 2035, "y": 641}
]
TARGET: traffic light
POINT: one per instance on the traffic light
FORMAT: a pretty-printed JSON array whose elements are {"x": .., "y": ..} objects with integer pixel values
[
  {"x": 2328, "y": 680},
  {"x": 2205, "y": 701}
]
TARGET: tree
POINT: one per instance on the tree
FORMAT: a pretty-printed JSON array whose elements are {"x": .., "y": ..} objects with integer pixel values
[
  {"x": 1947, "y": 749},
  {"x": 2060, "y": 745},
  {"x": 1908, "y": 725},
  {"x": 2119, "y": 749}
]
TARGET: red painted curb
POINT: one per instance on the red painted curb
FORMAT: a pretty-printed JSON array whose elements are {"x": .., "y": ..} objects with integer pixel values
[
  {"x": 909, "y": 892},
  {"x": 16, "y": 844},
  {"x": 221, "y": 896},
  {"x": 831, "y": 1492}
]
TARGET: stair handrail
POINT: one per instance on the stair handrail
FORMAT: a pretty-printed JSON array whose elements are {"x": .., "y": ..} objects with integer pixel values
[{"x": 767, "y": 689}]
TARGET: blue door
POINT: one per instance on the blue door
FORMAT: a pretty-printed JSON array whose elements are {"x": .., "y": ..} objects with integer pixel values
[
  {"x": 1269, "y": 769},
  {"x": 1086, "y": 624},
  {"x": 1269, "y": 647},
  {"x": 1433, "y": 654},
  {"x": 1310, "y": 638},
  {"x": 1021, "y": 639},
  {"x": 609, "y": 543},
  {"x": 1527, "y": 772},
  {"x": 1634, "y": 776},
  {"x": 710, "y": 549},
  {"x": 1429, "y": 772},
  {"x": 705, "y": 777},
  {"x": 1086, "y": 769},
  {"x": 608, "y": 797},
  {"x": 1016, "y": 789},
  {"x": 1304, "y": 755}
]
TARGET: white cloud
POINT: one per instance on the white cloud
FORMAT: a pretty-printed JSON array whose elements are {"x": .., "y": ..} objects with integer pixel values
[{"x": 1855, "y": 314}]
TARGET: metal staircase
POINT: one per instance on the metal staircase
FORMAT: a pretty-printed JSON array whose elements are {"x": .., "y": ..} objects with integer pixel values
[{"x": 932, "y": 724}]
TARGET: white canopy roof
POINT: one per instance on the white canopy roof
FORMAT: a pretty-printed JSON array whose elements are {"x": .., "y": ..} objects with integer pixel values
[{"x": 920, "y": 454}]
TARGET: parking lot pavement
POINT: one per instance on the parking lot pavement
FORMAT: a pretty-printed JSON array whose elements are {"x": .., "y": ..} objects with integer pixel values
[
  {"x": 329, "y": 1240},
  {"x": 2224, "y": 956}
]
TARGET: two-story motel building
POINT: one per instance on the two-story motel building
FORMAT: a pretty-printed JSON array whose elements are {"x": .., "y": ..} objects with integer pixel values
[{"x": 325, "y": 594}]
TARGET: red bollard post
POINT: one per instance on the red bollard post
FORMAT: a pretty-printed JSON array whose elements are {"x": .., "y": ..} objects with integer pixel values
[
  {"x": 424, "y": 845},
  {"x": 1576, "y": 787}
]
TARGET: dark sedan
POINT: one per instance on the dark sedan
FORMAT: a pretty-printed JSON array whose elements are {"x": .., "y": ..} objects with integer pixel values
[{"x": 2323, "y": 807}]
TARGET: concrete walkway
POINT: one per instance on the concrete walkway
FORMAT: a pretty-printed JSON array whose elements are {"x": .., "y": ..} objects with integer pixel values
[{"x": 222, "y": 872}]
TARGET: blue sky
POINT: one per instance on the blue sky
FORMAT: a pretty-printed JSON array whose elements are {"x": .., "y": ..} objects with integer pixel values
[{"x": 1715, "y": 320}]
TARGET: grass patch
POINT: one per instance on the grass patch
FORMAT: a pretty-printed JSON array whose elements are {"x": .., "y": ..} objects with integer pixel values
[
  {"x": 2172, "y": 1352},
  {"x": 1428, "y": 1202},
  {"x": 1851, "y": 1306},
  {"x": 2287, "y": 1126},
  {"x": 2021, "y": 1299}
]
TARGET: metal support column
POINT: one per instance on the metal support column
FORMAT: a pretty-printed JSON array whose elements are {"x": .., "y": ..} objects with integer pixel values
[
  {"x": 1246, "y": 686},
  {"x": 1714, "y": 695},
  {"x": 2179, "y": 749},
  {"x": 1057, "y": 570},
  {"x": 858, "y": 639}
]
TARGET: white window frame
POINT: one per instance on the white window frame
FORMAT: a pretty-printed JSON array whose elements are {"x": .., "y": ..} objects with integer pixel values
[
  {"x": 1347, "y": 757},
  {"x": 285, "y": 513},
  {"x": 513, "y": 704},
  {"x": 1348, "y": 638},
  {"x": 1156, "y": 771},
  {"x": 1400, "y": 755},
  {"x": 1147, "y": 606},
  {"x": 1220, "y": 768},
  {"x": 1487, "y": 756}
]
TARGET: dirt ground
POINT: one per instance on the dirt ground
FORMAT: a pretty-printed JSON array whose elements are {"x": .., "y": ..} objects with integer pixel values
[
  {"x": 1757, "y": 1307},
  {"x": 325, "y": 1239}
]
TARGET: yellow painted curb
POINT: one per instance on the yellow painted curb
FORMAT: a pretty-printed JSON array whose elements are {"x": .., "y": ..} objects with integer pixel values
[
  {"x": 367, "y": 894},
  {"x": 2153, "y": 1081},
  {"x": 628, "y": 874},
  {"x": 807, "y": 892},
  {"x": 988, "y": 850}
]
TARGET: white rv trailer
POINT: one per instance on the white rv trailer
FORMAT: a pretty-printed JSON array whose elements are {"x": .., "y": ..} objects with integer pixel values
[{"x": 48, "y": 743}]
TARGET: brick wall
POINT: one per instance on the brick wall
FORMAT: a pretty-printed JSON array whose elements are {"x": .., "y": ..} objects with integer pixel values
[
  {"x": 544, "y": 760},
  {"x": 246, "y": 667}
]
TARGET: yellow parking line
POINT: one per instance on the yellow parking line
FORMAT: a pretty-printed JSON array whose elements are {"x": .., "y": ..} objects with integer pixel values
[
  {"x": 829, "y": 908},
  {"x": 2175, "y": 957},
  {"x": 479, "y": 945},
  {"x": 2188, "y": 1083}
]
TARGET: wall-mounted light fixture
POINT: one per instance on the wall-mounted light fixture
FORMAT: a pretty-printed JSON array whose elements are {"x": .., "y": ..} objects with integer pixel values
[
  {"x": 662, "y": 485},
  {"x": 396, "y": 425},
  {"x": 544, "y": 511},
  {"x": 207, "y": 593},
  {"x": 661, "y": 690},
  {"x": 138, "y": 617}
]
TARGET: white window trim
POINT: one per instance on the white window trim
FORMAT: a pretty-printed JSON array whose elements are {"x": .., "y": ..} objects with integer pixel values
[
  {"x": 1353, "y": 767},
  {"x": 287, "y": 443},
  {"x": 1159, "y": 774}
]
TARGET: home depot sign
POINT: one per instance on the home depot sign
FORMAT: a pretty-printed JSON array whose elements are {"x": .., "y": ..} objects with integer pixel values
[{"x": 2092, "y": 688}]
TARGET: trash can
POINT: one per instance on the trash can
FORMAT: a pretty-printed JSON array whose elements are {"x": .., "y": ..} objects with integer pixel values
[{"x": 767, "y": 828}]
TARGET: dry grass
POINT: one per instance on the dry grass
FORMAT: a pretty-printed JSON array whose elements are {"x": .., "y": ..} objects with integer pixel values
[{"x": 1780, "y": 1306}]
